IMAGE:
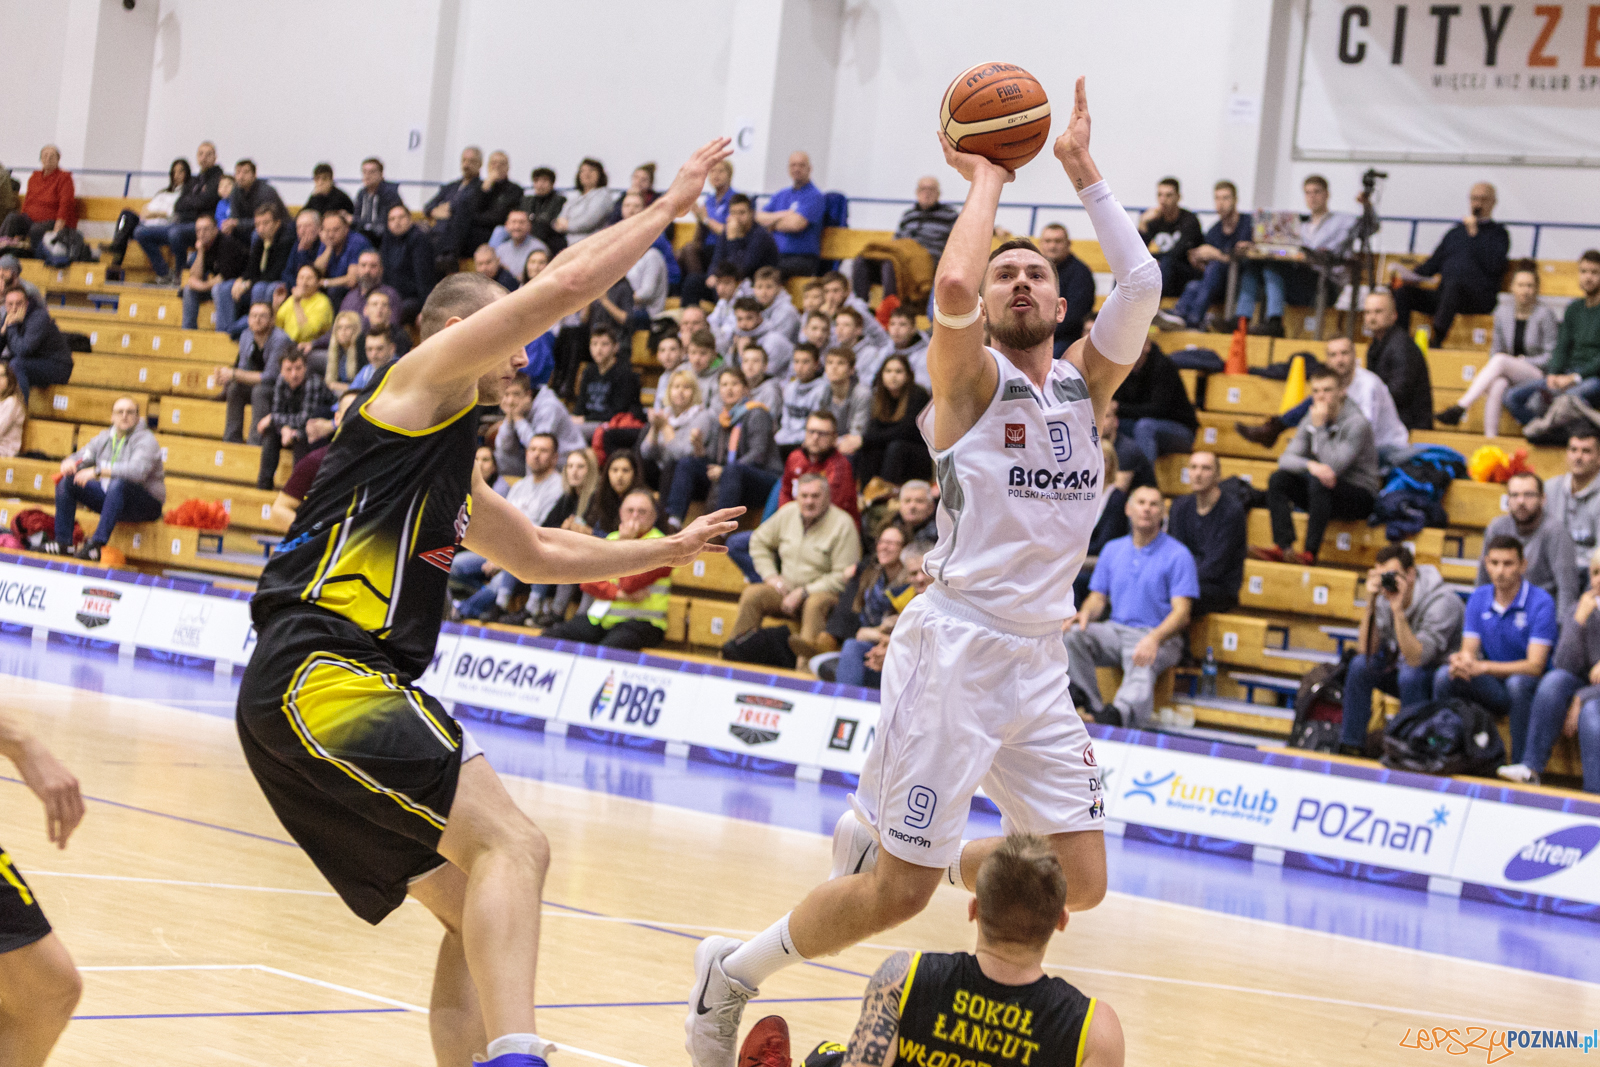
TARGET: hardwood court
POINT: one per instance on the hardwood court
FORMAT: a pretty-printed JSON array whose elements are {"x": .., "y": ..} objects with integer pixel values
[{"x": 206, "y": 939}]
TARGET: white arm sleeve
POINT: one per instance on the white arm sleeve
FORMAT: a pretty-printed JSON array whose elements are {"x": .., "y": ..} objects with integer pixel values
[{"x": 1123, "y": 324}]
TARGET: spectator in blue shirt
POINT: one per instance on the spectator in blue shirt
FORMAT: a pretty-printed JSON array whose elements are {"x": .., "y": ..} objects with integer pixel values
[
  {"x": 1151, "y": 582},
  {"x": 1506, "y": 639},
  {"x": 794, "y": 216},
  {"x": 1230, "y": 231}
]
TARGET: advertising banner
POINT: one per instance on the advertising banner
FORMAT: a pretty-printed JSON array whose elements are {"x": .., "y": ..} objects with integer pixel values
[
  {"x": 1344, "y": 818},
  {"x": 631, "y": 698},
  {"x": 1468, "y": 83},
  {"x": 750, "y": 718},
  {"x": 851, "y": 735},
  {"x": 524, "y": 679},
  {"x": 73, "y": 604},
  {"x": 209, "y": 627},
  {"x": 1531, "y": 850}
]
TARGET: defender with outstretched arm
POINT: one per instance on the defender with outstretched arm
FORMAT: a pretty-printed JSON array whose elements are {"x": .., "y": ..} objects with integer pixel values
[{"x": 366, "y": 771}]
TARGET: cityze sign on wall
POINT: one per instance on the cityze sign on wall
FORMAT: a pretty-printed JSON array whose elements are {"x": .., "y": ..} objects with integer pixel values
[{"x": 1450, "y": 82}]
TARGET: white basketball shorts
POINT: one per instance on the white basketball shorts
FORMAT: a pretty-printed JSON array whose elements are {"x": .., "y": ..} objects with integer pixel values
[{"x": 967, "y": 700}]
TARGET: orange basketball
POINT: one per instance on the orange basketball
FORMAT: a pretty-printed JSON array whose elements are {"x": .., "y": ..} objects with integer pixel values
[{"x": 998, "y": 111}]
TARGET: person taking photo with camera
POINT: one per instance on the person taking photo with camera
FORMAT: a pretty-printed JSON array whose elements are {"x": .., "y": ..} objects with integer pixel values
[{"x": 1412, "y": 624}]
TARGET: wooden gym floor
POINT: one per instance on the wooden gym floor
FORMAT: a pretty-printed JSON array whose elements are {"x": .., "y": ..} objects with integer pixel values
[{"x": 206, "y": 937}]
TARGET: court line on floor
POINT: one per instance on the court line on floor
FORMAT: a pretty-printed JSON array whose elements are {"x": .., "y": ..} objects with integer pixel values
[
  {"x": 664, "y": 928},
  {"x": 397, "y": 1005},
  {"x": 168, "y": 815},
  {"x": 180, "y": 882},
  {"x": 237, "y": 1014}
]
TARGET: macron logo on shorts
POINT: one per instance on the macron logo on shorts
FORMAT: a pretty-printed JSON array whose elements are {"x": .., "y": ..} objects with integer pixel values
[{"x": 1016, "y": 435}]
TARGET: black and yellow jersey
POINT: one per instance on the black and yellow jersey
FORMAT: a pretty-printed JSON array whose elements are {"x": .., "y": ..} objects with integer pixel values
[
  {"x": 373, "y": 539},
  {"x": 953, "y": 1015}
]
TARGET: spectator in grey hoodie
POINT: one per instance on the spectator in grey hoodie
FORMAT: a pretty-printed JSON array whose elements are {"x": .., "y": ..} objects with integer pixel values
[
  {"x": 764, "y": 388},
  {"x": 740, "y": 434},
  {"x": 778, "y": 313},
  {"x": 1574, "y": 497},
  {"x": 749, "y": 328},
  {"x": 119, "y": 474},
  {"x": 848, "y": 398},
  {"x": 1407, "y": 632},
  {"x": 802, "y": 394},
  {"x": 910, "y": 344},
  {"x": 673, "y": 427},
  {"x": 1546, "y": 542},
  {"x": 1330, "y": 469}
]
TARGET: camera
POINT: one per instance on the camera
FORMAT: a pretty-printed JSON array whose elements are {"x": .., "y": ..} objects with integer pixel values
[{"x": 1390, "y": 580}]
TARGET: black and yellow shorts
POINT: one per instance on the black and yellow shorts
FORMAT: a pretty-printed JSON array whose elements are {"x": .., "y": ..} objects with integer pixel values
[
  {"x": 359, "y": 764},
  {"x": 21, "y": 921}
]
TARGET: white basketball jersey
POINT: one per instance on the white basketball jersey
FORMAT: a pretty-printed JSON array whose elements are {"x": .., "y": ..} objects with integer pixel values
[{"x": 1019, "y": 497}]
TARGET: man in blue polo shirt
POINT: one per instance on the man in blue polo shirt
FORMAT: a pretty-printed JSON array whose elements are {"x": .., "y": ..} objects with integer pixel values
[
  {"x": 794, "y": 216},
  {"x": 1151, "y": 581},
  {"x": 1506, "y": 638}
]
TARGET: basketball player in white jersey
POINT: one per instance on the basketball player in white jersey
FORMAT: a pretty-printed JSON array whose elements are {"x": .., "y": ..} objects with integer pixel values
[{"x": 975, "y": 684}]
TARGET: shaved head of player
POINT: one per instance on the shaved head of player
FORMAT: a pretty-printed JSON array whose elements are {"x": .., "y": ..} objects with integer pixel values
[
  {"x": 975, "y": 675},
  {"x": 369, "y": 773}
]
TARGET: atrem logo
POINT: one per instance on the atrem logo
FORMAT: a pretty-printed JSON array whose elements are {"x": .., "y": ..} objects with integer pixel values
[{"x": 1553, "y": 853}]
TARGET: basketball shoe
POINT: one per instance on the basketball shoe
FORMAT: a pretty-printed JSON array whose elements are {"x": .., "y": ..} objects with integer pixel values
[
  {"x": 855, "y": 850},
  {"x": 715, "y": 1004},
  {"x": 767, "y": 1044}
]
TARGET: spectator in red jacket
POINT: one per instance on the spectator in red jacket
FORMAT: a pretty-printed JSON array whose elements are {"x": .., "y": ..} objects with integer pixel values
[
  {"x": 51, "y": 204},
  {"x": 817, "y": 455}
]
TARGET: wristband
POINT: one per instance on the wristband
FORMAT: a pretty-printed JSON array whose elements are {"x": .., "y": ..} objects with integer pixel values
[{"x": 958, "y": 322}]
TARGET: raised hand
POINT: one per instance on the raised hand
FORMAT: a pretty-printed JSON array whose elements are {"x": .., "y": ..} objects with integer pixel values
[
  {"x": 691, "y": 177},
  {"x": 695, "y": 538},
  {"x": 1072, "y": 147},
  {"x": 969, "y": 165}
]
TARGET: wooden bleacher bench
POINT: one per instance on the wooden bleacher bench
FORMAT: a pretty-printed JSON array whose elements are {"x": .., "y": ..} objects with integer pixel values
[
  {"x": 1349, "y": 544},
  {"x": 711, "y": 574},
  {"x": 196, "y": 418},
  {"x": 1324, "y": 592},
  {"x": 77, "y": 403},
  {"x": 1258, "y": 350},
  {"x": 31, "y": 479},
  {"x": 138, "y": 374},
  {"x": 1243, "y": 394},
  {"x": 57, "y": 440},
  {"x": 249, "y": 508},
  {"x": 216, "y": 461},
  {"x": 111, "y": 336},
  {"x": 1218, "y": 435}
]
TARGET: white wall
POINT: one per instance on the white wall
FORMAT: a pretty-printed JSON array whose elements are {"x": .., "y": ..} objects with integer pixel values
[
  {"x": 1199, "y": 91},
  {"x": 30, "y": 78},
  {"x": 627, "y": 81},
  {"x": 262, "y": 81},
  {"x": 1155, "y": 113}
]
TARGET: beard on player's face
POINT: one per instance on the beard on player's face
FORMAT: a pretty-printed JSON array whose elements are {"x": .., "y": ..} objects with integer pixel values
[{"x": 1019, "y": 328}]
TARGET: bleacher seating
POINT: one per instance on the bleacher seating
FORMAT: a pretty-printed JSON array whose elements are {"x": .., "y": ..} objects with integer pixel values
[{"x": 1289, "y": 619}]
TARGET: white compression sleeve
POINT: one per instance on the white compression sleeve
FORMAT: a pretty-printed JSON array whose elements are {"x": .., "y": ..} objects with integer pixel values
[{"x": 1123, "y": 324}]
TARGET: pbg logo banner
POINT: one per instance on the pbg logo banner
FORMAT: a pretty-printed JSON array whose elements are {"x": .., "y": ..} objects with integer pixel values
[{"x": 1492, "y": 83}]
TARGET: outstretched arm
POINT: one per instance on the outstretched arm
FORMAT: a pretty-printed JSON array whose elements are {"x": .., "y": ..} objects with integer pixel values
[
  {"x": 963, "y": 377},
  {"x": 41, "y": 772},
  {"x": 440, "y": 375},
  {"x": 874, "y": 1042},
  {"x": 1120, "y": 330},
  {"x": 540, "y": 555}
]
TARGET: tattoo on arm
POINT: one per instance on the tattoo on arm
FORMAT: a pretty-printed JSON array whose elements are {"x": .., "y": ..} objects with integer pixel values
[{"x": 873, "y": 1043}]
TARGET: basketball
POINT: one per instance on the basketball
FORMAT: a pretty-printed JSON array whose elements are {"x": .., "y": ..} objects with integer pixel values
[{"x": 998, "y": 111}]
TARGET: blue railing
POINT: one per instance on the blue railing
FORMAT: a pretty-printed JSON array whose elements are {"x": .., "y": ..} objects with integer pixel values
[{"x": 1413, "y": 223}]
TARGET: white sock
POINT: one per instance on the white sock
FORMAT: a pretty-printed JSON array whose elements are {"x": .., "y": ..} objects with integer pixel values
[
  {"x": 526, "y": 1044},
  {"x": 762, "y": 956},
  {"x": 953, "y": 872}
]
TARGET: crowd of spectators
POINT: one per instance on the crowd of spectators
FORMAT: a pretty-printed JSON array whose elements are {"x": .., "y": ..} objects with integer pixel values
[{"x": 804, "y": 410}]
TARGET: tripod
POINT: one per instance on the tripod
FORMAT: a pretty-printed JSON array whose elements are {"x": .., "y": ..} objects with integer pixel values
[{"x": 1366, "y": 263}]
